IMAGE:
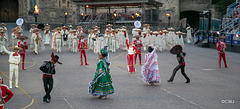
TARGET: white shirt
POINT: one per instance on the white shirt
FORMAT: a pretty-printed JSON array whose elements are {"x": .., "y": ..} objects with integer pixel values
[{"x": 12, "y": 59}]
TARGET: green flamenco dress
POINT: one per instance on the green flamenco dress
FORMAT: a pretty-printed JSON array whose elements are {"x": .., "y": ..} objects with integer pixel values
[{"x": 101, "y": 85}]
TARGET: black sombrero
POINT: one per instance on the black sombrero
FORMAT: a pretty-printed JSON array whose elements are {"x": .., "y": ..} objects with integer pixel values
[{"x": 176, "y": 49}]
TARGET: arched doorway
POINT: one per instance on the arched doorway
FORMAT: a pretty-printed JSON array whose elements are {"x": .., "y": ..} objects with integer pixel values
[
  {"x": 8, "y": 10},
  {"x": 192, "y": 18}
]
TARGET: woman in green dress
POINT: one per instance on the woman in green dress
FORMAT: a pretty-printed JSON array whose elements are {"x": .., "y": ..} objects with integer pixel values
[{"x": 101, "y": 85}]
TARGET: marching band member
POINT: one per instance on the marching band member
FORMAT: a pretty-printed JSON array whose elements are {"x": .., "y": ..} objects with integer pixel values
[
  {"x": 59, "y": 40},
  {"x": 138, "y": 44},
  {"x": 19, "y": 27},
  {"x": 122, "y": 35},
  {"x": 132, "y": 50},
  {"x": 31, "y": 35},
  {"x": 155, "y": 39},
  {"x": 171, "y": 38},
  {"x": 14, "y": 60},
  {"x": 151, "y": 38},
  {"x": 64, "y": 35},
  {"x": 179, "y": 39},
  {"x": 114, "y": 40},
  {"x": 15, "y": 34},
  {"x": 96, "y": 28},
  {"x": 108, "y": 36},
  {"x": 23, "y": 44},
  {"x": 38, "y": 45},
  {"x": 135, "y": 32},
  {"x": 46, "y": 36},
  {"x": 74, "y": 39},
  {"x": 70, "y": 38},
  {"x": 165, "y": 39},
  {"x": 5, "y": 94},
  {"x": 90, "y": 40},
  {"x": 161, "y": 40},
  {"x": 6, "y": 33},
  {"x": 146, "y": 30},
  {"x": 53, "y": 41},
  {"x": 189, "y": 35},
  {"x": 221, "y": 46},
  {"x": 82, "y": 45},
  {"x": 80, "y": 29},
  {"x": 3, "y": 39}
]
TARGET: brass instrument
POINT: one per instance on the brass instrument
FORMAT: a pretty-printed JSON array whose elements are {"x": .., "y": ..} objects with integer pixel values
[{"x": 37, "y": 39}]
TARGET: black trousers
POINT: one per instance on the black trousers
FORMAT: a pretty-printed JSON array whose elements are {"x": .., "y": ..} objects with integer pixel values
[
  {"x": 182, "y": 67},
  {"x": 48, "y": 85}
]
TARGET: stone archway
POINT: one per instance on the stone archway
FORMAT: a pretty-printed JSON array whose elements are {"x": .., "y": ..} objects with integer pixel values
[
  {"x": 9, "y": 10},
  {"x": 192, "y": 18}
]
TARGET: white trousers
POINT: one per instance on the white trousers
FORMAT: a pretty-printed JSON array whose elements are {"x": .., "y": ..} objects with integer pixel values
[
  {"x": 58, "y": 45},
  {"x": 13, "y": 68},
  {"x": 1, "y": 47},
  {"x": 47, "y": 39},
  {"x": 74, "y": 45},
  {"x": 35, "y": 47}
]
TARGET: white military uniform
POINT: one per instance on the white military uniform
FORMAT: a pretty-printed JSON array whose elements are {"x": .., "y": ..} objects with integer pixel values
[
  {"x": 64, "y": 33},
  {"x": 3, "y": 40},
  {"x": 46, "y": 36},
  {"x": 14, "y": 40},
  {"x": 59, "y": 41},
  {"x": 6, "y": 34},
  {"x": 146, "y": 39},
  {"x": 189, "y": 35},
  {"x": 179, "y": 40},
  {"x": 74, "y": 42},
  {"x": 70, "y": 40},
  {"x": 31, "y": 37},
  {"x": 13, "y": 66},
  {"x": 38, "y": 45}
]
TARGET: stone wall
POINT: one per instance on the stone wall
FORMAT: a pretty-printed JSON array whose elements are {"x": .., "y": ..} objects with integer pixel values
[{"x": 50, "y": 11}]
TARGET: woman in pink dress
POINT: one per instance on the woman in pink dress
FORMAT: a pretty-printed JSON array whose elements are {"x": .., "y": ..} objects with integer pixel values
[{"x": 149, "y": 70}]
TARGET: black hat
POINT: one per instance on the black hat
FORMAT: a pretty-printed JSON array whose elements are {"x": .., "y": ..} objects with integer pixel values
[
  {"x": 150, "y": 49},
  {"x": 176, "y": 49},
  {"x": 55, "y": 58}
]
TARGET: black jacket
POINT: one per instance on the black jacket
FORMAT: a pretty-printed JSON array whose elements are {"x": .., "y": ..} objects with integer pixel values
[
  {"x": 48, "y": 68},
  {"x": 180, "y": 57}
]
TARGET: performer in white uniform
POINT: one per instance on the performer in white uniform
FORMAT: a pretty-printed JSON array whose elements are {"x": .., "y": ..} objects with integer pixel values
[
  {"x": 6, "y": 33},
  {"x": 74, "y": 39},
  {"x": 165, "y": 39},
  {"x": 146, "y": 38},
  {"x": 70, "y": 38},
  {"x": 80, "y": 29},
  {"x": 46, "y": 36},
  {"x": 64, "y": 35},
  {"x": 161, "y": 41},
  {"x": 155, "y": 39},
  {"x": 14, "y": 35},
  {"x": 171, "y": 38},
  {"x": 53, "y": 40},
  {"x": 14, "y": 60},
  {"x": 108, "y": 35},
  {"x": 38, "y": 43},
  {"x": 189, "y": 35},
  {"x": 31, "y": 35},
  {"x": 3, "y": 39},
  {"x": 59, "y": 40},
  {"x": 179, "y": 38}
]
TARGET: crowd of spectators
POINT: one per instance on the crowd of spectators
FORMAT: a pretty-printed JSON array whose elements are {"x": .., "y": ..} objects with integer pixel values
[{"x": 232, "y": 20}]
